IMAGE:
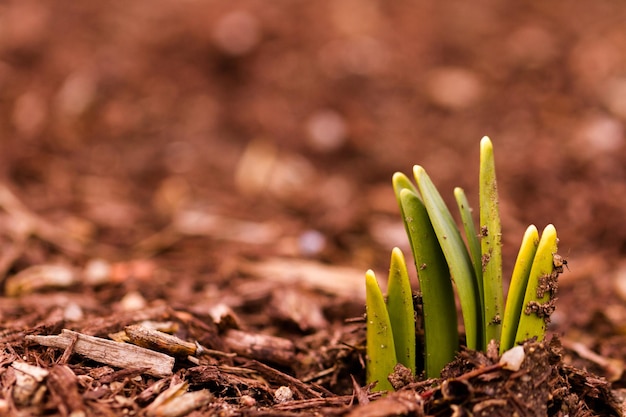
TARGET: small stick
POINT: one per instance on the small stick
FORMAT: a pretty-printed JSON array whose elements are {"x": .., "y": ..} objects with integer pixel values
[
  {"x": 156, "y": 340},
  {"x": 120, "y": 355}
]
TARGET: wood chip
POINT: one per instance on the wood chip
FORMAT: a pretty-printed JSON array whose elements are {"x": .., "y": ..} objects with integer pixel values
[
  {"x": 40, "y": 277},
  {"x": 63, "y": 384},
  {"x": 120, "y": 355},
  {"x": 153, "y": 339},
  {"x": 176, "y": 401},
  {"x": 261, "y": 347},
  {"x": 301, "y": 307}
]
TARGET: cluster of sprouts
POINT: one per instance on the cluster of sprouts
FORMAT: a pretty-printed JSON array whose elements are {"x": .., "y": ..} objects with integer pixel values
[{"x": 474, "y": 267}]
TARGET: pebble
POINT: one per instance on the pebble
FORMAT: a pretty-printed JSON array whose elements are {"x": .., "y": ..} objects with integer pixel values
[
  {"x": 247, "y": 401},
  {"x": 283, "y": 394},
  {"x": 512, "y": 359}
]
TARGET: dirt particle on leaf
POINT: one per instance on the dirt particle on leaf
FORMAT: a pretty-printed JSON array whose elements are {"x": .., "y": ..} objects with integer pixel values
[
  {"x": 542, "y": 310},
  {"x": 484, "y": 260},
  {"x": 400, "y": 377},
  {"x": 548, "y": 283}
]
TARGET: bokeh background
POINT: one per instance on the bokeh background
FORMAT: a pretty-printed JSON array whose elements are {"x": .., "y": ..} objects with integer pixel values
[{"x": 115, "y": 116}]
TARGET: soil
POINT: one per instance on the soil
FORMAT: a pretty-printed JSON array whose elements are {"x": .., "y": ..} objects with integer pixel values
[{"x": 220, "y": 172}]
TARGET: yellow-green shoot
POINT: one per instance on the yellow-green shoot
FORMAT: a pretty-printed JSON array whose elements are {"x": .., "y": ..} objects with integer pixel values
[{"x": 444, "y": 260}]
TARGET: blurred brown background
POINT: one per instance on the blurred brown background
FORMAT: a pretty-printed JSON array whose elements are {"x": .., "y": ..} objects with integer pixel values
[{"x": 116, "y": 115}]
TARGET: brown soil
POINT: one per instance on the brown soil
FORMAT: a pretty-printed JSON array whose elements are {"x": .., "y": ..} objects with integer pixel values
[{"x": 221, "y": 171}]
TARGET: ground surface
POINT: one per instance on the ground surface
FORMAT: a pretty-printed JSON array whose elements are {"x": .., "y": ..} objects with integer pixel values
[{"x": 224, "y": 167}]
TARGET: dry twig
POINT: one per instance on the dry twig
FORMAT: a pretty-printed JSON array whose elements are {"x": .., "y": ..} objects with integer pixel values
[{"x": 120, "y": 355}]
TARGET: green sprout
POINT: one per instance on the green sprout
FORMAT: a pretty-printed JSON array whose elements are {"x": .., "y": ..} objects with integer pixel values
[
  {"x": 444, "y": 261},
  {"x": 381, "y": 351}
]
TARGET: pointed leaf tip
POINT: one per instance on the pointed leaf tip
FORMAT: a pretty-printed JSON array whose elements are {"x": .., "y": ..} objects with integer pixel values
[{"x": 381, "y": 351}]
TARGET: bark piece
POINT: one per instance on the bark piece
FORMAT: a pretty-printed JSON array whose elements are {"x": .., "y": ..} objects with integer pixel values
[
  {"x": 120, "y": 355},
  {"x": 153, "y": 339},
  {"x": 63, "y": 384},
  {"x": 299, "y": 306},
  {"x": 177, "y": 401},
  {"x": 261, "y": 347}
]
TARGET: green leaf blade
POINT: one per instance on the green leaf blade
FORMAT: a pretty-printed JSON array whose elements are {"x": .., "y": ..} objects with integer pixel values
[
  {"x": 517, "y": 288},
  {"x": 538, "y": 302},
  {"x": 471, "y": 235},
  {"x": 402, "y": 182},
  {"x": 381, "y": 352},
  {"x": 457, "y": 257},
  {"x": 400, "y": 309},
  {"x": 439, "y": 309},
  {"x": 490, "y": 243}
]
